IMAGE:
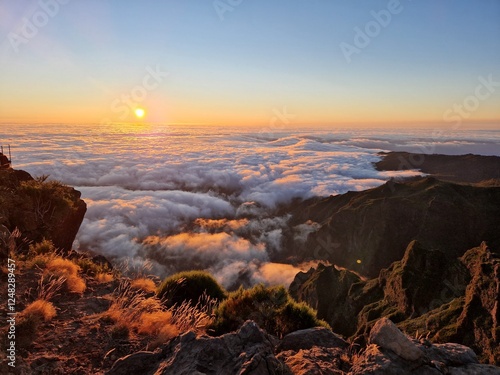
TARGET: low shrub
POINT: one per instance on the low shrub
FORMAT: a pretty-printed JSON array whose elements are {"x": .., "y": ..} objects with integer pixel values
[
  {"x": 271, "y": 308},
  {"x": 42, "y": 248},
  {"x": 91, "y": 268},
  {"x": 189, "y": 286}
]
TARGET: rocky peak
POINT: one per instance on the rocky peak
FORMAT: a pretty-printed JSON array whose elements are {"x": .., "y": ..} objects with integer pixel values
[{"x": 445, "y": 298}]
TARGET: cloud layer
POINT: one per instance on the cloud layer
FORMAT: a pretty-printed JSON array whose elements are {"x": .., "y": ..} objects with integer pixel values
[{"x": 207, "y": 197}]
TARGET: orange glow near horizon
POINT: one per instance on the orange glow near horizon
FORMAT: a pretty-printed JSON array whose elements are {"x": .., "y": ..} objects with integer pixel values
[{"x": 236, "y": 112}]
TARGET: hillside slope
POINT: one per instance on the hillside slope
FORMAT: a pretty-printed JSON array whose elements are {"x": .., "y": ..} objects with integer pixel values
[{"x": 368, "y": 230}]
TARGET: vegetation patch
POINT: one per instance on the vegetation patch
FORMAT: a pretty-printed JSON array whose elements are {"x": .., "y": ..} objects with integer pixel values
[
  {"x": 189, "y": 286},
  {"x": 271, "y": 308}
]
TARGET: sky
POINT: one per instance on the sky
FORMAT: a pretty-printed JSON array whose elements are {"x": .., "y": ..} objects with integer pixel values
[{"x": 250, "y": 62}]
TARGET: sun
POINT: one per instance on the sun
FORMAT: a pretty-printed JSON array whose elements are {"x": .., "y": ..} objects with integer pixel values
[{"x": 139, "y": 112}]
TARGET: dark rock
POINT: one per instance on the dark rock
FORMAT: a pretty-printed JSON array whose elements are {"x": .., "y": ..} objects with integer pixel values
[
  {"x": 327, "y": 291},
  {"x": 136, "y": 363},
  {"x": 396, "y": 353},
  {"x": 308, "y": 352},
  {"x": 423, "y": 280},
  {"x": 248, "y": 351},
  {"x": 307, "y": 338}
]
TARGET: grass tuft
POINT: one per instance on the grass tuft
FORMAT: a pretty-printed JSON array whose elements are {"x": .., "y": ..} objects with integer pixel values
[
  {"x": 60, "y": 267},
  {"x": 143, "y": 284},
  {"x": 39, "y": 310}
]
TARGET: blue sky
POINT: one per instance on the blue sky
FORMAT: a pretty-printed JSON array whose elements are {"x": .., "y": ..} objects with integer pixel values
[{"x": 236, "y": 67}]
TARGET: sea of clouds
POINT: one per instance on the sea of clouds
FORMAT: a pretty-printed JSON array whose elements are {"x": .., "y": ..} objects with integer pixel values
[{"x": 207, "y": 197}]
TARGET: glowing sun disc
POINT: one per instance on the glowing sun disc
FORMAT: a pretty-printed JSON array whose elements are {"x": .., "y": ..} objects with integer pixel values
[{"x": 139, "y": 112}]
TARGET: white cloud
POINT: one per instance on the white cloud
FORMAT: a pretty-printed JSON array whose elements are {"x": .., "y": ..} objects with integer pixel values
[{"x": 205, "y": 197}]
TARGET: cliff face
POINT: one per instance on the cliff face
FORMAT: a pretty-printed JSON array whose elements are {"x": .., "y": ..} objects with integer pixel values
[
  {"x": 449, "y": 299},
  {"x": 367, "y": 231},
  {"x": 40, "y": 209}
]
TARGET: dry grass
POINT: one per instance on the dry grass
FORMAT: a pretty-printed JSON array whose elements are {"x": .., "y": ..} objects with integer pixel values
[
  {"x": 148, "y": 316},
  {"x": 49, "y": 286},
  {"x": 39, "y": 310},
  {"x": 187, "y": 317},
  {"x": 144, "y": 284},
  {"x": 60, "y": 267},
  {"x": 104, "y": 277}
]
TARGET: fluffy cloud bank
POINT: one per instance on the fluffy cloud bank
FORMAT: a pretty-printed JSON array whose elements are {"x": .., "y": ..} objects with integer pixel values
[{"x": 207, "y": 197}]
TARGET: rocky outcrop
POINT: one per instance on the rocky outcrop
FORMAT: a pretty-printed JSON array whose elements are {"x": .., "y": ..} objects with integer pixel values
[
  {"x": 391, "y": 352},
  {"x": 246, "y": 351},
  {"x": 445, "y": 299},
  {"x": 367, "y": 231},
  {"x": 307, "y": 352},
  {"x": 40, "y": 209}
]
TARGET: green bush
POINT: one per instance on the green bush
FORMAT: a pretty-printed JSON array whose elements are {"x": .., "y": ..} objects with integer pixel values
[
  {"x": 271, "y": 308},
  {"x": 189, "y": 286},
  {"x": 42, "y": 248},
  {"x": 89, "y": 267}
]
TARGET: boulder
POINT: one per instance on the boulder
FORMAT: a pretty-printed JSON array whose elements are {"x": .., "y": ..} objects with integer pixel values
[
  {"x": 386, "y": 335},
  {"x": 307, "y": 338},
  {"x": 392, "y": 352}
]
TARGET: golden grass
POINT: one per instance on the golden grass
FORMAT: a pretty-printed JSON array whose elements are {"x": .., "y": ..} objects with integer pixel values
[
  {"x": 76, "y": 284},
  {"x": 62, "y": 267},
  {"x": 40, "y": 310},
  {"x": 151, "y": 323},
  {"x": 144, "y": 284},
  {"x": 65, "y": 268},
  {"x": 104, "y": 278},
  {"x": 148, "y": 315}
]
